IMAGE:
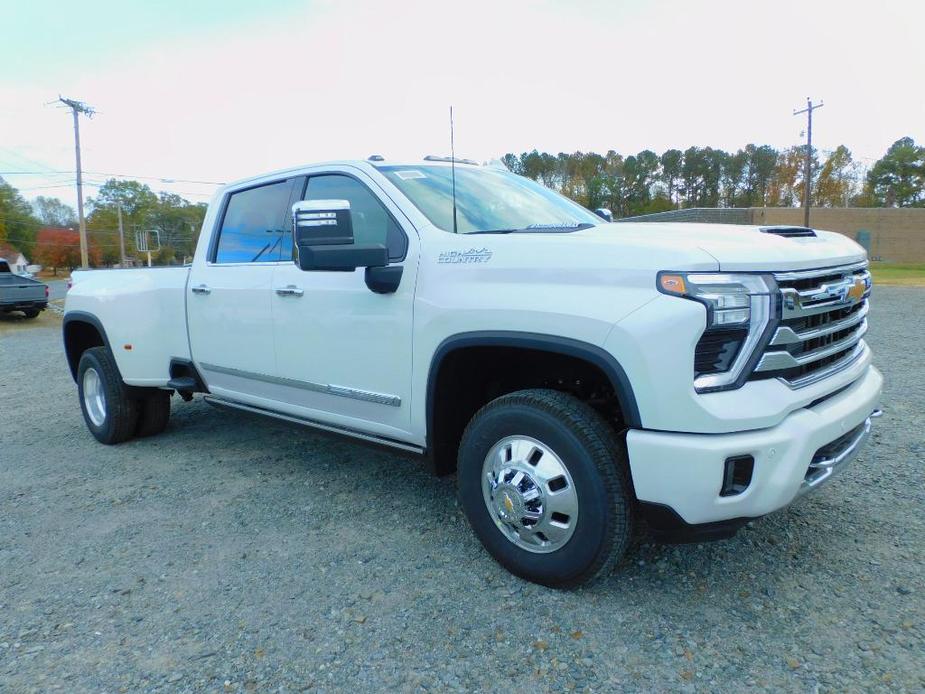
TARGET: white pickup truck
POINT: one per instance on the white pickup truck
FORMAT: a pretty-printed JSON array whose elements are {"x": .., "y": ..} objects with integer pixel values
[{"x": 582, "y": 378}]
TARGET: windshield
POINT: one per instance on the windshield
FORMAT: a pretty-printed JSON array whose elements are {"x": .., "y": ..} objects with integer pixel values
[{"x": 487, "y": 200}]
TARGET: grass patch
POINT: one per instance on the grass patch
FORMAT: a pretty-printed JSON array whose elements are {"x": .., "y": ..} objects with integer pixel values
[{"x": 908, "y": 274}]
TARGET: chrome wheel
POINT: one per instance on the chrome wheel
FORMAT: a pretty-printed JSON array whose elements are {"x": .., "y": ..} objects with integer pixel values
[
  {"x": 529, "y": 494},
  {"x": 94, "y": 398}
]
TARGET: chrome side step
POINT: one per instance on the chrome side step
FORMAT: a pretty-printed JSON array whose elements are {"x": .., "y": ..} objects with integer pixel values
[{"x": 343, "y": 431}]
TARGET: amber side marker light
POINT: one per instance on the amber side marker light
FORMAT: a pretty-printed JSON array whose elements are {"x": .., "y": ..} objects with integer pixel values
[
  {"x": 672, "y": 284},
  {"x": 128, "y": 348}
]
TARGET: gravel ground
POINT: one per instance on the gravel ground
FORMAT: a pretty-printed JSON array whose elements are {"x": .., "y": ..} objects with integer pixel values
[{"x": 236, "y": 554}]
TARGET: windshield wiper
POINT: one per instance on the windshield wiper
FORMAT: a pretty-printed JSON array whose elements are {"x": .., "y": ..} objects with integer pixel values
[
  {"x": 536, "y": 228},
  {"x": 577, "y": 226}
]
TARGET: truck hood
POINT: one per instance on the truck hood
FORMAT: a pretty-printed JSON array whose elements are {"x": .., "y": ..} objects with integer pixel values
[{"x": 743, "y": 248}]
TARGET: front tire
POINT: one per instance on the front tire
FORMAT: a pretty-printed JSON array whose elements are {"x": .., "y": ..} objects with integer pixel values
[
  {"x": 544, "y": 481},
  {"x": 110, "y": 414}
]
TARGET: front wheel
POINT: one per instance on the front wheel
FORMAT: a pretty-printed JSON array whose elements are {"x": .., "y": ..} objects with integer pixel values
[{"x": 544, "y": 482}]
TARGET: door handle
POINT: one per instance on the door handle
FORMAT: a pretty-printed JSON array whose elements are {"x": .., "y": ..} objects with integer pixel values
[
  {"x": 290, "y": 290},
  {"x": 201, "y": 289}
]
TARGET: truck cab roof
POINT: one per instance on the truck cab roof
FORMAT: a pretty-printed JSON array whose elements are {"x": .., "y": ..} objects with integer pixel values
[{"x": 362, "y": 164}]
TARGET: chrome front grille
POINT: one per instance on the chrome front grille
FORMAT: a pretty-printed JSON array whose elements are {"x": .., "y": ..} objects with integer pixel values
[{"x": 822, "y": 320}]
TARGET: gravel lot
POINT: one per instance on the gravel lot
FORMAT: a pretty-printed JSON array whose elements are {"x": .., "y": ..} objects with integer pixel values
[{"x": 237, "y": 554}]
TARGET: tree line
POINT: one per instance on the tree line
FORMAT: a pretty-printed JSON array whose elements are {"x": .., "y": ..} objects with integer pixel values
[
  {"x": 177, "y": 221},
  {"x": 754, "y": 176}
]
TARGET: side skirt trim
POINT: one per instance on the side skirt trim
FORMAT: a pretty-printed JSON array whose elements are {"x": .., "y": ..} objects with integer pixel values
[{"x": 343, "y": 431}]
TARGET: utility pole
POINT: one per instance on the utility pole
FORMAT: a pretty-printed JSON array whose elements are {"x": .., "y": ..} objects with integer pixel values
[
  {"x": 77, "y": 108},
  {"x": 808, "y": 165},
  {"x": 121, "y": 237}
]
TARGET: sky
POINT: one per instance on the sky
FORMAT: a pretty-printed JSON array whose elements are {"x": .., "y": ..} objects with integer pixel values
[{"x": 190, "y": 93}]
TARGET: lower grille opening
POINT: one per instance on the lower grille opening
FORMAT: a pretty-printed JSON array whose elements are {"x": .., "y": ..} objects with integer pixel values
[{"x": 737, "y": 475}]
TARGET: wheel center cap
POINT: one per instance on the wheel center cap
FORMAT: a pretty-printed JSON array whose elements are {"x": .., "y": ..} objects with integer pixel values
[{"x": 509, "y": 502}]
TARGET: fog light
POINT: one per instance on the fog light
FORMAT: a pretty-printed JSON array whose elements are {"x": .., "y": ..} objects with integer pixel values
[{"x": 737, "y": 475}]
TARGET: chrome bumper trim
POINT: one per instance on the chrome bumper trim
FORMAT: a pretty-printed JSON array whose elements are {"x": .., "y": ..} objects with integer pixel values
[{"x": 824, "y": 468}]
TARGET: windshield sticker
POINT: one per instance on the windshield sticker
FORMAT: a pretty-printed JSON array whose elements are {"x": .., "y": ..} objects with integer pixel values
[
  {"x": 481, "y": 255},
  {"x": 411, "y": 173}
]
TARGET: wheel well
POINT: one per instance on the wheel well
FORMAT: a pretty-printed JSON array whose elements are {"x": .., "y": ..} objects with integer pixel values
[
  {"x": 469, "y": 377},
  {"x": 79, "y": 336}
]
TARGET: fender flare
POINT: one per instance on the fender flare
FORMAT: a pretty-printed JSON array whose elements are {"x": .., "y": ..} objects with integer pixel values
[
  {"x": 593, "y": 354},
  {"x": 81, "y": 317}
]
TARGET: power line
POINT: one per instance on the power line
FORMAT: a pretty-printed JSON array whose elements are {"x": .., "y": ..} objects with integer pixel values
[{"x": 162, "y": 179}]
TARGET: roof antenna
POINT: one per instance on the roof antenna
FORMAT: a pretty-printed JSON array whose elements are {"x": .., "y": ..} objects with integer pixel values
[{"x": 453, "y": 169}]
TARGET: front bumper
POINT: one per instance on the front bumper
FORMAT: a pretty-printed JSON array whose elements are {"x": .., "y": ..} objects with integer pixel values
[{"x": 684, "y": 472}]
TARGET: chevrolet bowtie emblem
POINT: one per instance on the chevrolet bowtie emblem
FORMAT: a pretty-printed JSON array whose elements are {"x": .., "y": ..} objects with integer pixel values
[
  {"x": 856, "y": 292},
  {"x": 508, "y": 504}
]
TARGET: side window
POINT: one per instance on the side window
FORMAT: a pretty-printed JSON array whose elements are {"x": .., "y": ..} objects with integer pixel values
[
  {"x": 255, "y": 225},
  {"x": 372, "y": 223}
]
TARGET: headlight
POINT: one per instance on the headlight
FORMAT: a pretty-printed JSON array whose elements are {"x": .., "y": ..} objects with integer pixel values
[{"x": 738, "y": 307}]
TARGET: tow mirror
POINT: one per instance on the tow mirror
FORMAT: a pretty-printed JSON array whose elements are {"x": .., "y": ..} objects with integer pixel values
[
  {"x": 322, "y": 223},
  {"x": 323, "y": 235},
  {"x": 604, "y": 213}
]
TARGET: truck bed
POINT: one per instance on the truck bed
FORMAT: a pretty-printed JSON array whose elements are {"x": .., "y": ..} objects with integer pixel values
[{"x": 146, "y": 327}]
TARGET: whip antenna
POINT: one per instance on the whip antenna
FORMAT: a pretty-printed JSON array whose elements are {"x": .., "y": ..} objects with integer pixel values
[{"x": 453, "y": 169}]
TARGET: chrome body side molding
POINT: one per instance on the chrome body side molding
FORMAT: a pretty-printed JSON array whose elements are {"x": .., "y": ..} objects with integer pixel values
[{"x": 327, "y": 388}]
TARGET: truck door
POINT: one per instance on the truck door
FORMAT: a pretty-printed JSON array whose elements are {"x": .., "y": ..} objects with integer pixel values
[
  {"x": 229, "y": 291},
  {"x": 343, "y": 352}
]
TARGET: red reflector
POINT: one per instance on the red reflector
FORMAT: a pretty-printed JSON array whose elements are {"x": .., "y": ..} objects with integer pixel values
[{"x": 128, "y": 348}]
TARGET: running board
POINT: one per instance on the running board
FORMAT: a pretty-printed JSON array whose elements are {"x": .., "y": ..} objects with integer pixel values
[{"x": 343, "y": 431}]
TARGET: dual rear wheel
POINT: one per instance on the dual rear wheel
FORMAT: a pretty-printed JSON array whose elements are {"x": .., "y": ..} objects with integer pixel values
[{"x": 113, "y": 411}]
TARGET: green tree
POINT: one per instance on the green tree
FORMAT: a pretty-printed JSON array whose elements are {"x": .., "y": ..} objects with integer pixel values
[
  {"x": 177, "y": 221},
  {"x": 671, "y": 162},
  {"x": 54, "y": 213},
  {"x": 785, "y": 188},
  {"x": 837, "y": 181},
  {"x": 734, "y": 168},
  {"x": 512, "y": 162},
  {"x": 18, "y": 224},
  {"x": 898, "y": 179},
  {"x": 640, "y": 175},
  {"x": 761, "y": 162}
]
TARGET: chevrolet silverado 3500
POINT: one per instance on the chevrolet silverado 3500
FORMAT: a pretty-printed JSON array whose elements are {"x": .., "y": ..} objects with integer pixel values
[{"x": 580, "y": 377}]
